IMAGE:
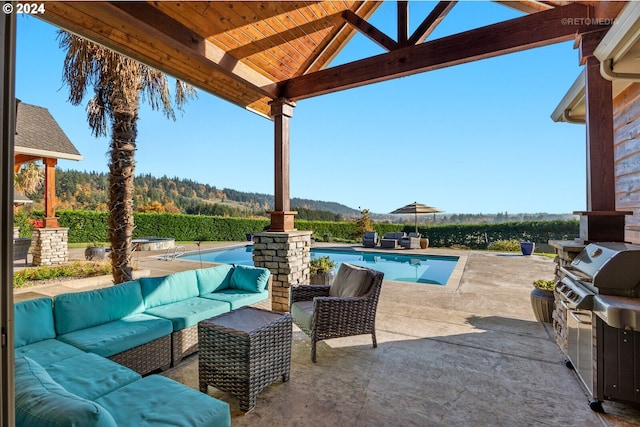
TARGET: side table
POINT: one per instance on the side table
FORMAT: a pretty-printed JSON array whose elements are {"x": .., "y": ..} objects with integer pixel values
[{"x": 244, "y": 351}]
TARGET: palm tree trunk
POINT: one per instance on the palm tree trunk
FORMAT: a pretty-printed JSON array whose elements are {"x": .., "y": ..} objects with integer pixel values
[{"x": 121, "y": 174}]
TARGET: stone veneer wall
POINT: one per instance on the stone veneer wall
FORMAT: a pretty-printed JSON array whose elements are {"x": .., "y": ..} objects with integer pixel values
[
  {"x": 566, "y": 251},
  {"x": 287, "y": 256},
  {"x": 49, "y": 246}
]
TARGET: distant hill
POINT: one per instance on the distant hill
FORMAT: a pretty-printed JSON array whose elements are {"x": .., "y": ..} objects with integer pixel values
[{"x": 89, "y": 190}]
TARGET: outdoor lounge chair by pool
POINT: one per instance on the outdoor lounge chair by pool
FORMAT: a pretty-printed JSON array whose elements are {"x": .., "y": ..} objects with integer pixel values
[
  {"x": 412, "y": 241},
  {"x": 370, "y": 239},
  {"x": 347, "y": 307}
]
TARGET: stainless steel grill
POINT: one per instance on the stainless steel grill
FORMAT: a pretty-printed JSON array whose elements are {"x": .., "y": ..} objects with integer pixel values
[{"x": 601, "y": 292}]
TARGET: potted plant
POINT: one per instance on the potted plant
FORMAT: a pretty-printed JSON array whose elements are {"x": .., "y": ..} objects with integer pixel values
[
  {"x": 527, "y": 248},
  {"x": 94, "y": 251},
  {"x": 542, "y": 299},
  {"x": 322, "y": 271}
]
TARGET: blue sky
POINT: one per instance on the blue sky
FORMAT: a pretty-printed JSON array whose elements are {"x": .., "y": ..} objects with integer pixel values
[{"x": 475, "y": 138}]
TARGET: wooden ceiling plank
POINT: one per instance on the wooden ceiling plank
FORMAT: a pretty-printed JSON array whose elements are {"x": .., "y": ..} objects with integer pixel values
[
  {"x": 343, "y": 34},
  {"x": 173, "y": 29},
  {"x": 370, "y": 31},
  {"x": 214, "y": 24},
  {"x": 89, "y": 19},
  {"x": 235, "y": 41},
  {"x": 431, "y": 22},
  {"x": 535, "y": 30},
  {"x": 281, "y": 63}
]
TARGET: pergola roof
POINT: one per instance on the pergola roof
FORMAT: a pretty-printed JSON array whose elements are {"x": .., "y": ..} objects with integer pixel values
[
  {"x": 38, "y": 135},
  {"x": 253, "y": 52}
]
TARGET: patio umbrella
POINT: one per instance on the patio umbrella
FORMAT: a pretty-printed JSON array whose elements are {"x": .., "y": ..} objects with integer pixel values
[{"x": 416, "y": 208}]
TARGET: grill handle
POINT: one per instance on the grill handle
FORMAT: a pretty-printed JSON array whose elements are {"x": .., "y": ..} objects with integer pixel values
[{"x": 577, "y": 319}]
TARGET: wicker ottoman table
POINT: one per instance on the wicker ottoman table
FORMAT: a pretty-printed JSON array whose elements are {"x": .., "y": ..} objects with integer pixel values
[{"x": 244, "y": 351}]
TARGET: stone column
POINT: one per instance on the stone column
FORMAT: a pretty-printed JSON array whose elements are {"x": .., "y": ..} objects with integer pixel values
[
  {"x": 49, "y": 246},
  {"x": 286, "y": 255}
]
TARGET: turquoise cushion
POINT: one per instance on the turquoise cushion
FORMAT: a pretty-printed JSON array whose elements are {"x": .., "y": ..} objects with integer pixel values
[
  {"x": 164, "y": 402},
  {"x": 48, "y": 351},
  {"x": 33, "y": 321},
  {"x": 302, "y": 311},
  {"x": 214, "y": 278},
  {"x": 41, "y": 402},
  {"x": 167, "y": 289},
  {"x": 251, "y": 279},
  {"x": 189, "y": 312},
  {"x": 238, "y": 298},
  {"x": 118, "y": 336},
  {"x": 81, "y": 310},
  {"x": 91, "y": 376}
]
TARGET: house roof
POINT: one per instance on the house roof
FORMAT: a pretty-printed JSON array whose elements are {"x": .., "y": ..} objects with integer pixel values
[
  {"x": 251, "y": 53},
  {"x": 39, "y": 135},
  {"x": 618, "y": 53}
]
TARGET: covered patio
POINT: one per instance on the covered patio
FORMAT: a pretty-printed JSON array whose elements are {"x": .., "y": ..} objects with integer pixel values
[
  {"x": 472, "y": 355},
  {"x": 469, "y": 353}
]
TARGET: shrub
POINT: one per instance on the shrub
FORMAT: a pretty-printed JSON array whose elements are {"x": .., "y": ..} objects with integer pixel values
[
  {"x": 511, "y": 245},
  {"x": 75, "y": 269},
  {"x": 544, "y": 284}
]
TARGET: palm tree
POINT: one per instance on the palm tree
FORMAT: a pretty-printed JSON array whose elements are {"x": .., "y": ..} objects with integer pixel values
[{"x": 119, "y": 83}]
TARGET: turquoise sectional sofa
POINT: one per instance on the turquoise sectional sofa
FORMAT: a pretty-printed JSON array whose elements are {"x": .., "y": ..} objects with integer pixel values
[{"x": 80, "y": 356}]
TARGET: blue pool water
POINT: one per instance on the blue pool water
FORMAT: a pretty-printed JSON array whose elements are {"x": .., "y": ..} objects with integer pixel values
[{"x": 429, "y": 269}]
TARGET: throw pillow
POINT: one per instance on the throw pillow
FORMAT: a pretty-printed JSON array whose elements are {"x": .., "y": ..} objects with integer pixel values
[
  {"x": 250, "y": 279},
  {"x": 351, "y": 281}
]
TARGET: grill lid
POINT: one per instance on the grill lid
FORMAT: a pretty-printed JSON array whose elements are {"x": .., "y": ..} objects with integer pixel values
[{"x": 610, "y": 265}]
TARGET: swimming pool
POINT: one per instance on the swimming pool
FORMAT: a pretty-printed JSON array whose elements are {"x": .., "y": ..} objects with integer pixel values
[{"x": 428, "y": 269}]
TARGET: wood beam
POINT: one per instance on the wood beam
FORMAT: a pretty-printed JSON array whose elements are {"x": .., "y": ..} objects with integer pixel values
[
  {"x": 527, "y": 7},
  {"x": 403, "y": 22},
  {"x": 539, "y": 29},
  {"x": 600, "y": 155},
  {"x": 587, "y": 43},
  {"x": 20, "y": 159},
  {"x": 50, "y": 220},
  {"x": 282, "y": 218},
  {"x": 369, "y": 31},
  {"x": 431, "y": 22}
]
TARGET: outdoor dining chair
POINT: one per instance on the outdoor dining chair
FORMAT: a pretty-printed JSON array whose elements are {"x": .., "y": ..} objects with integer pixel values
[{"x": 347, "y": 307}]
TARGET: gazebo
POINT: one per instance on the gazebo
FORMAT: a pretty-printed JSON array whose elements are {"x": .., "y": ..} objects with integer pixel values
[{"x": 38, "y": 137}]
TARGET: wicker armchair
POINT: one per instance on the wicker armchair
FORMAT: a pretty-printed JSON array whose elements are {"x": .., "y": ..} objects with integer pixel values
[
  {"x": 370, "y": 239},
  {"x": 322, "y": 316}
]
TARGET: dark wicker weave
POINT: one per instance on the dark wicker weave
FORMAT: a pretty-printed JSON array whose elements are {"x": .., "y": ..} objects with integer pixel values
[
  {"x": 183, "y": 343},
  {"x": 148, "y": 357},
  {"x": 335, "y": 317},
  {"x": 244, "y": 351}
]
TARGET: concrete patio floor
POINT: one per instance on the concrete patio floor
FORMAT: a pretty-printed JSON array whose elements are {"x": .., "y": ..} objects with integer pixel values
[{"x": 466, "y": 354}]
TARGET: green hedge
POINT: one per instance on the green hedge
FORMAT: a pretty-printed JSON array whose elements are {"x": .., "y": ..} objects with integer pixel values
[{"x": 88, "y": 226}]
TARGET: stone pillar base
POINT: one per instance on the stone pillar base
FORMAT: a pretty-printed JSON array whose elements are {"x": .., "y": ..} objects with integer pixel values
[
  {"x": 49, "y": 246},
  {"x": 287, "y": 256}
]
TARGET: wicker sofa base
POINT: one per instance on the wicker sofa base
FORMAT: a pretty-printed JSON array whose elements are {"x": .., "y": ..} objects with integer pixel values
[
  {"x": 183, "y": 343},
  {"x": 148, "y": 357}
]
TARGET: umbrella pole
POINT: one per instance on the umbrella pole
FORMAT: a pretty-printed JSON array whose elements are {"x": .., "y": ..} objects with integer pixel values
[{"x": 416, "y": 222}]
